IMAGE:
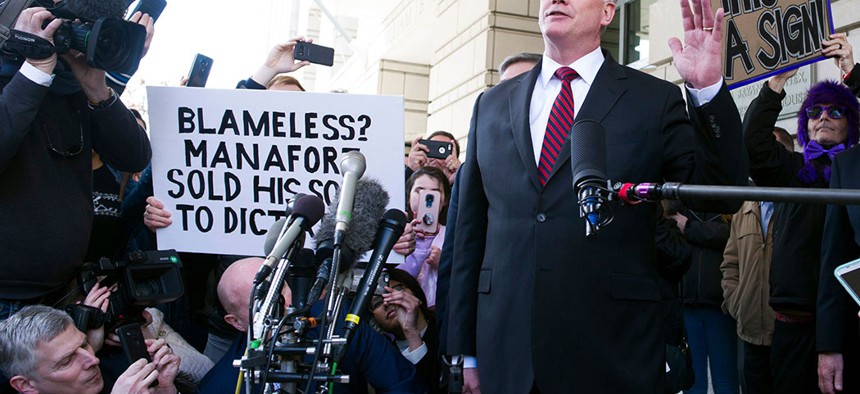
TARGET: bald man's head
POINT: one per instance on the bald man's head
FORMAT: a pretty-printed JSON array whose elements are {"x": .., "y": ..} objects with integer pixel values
[{"x": 234, "y": 290}]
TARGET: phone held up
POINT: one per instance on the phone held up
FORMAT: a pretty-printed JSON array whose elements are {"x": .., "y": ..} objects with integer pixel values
[
  {"x": 313, "y": 53},
  {"x": 428, "y": 211},
  {"x": 438, "y": 149},
  {"x": 199, "y": 73},
  {"x": 151, "y": 7},
  {"x": 848, "y": 275}
]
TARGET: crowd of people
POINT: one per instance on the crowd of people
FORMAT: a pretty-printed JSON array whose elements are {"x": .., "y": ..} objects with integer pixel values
[{"x": 501, "y": 280}]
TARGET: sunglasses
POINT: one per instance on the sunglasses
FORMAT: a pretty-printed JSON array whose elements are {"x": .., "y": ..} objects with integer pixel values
[{"x": 834, "y": 112}]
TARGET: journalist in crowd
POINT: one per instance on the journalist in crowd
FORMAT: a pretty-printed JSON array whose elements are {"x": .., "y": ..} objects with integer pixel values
[{"x": 53, "y": 112}]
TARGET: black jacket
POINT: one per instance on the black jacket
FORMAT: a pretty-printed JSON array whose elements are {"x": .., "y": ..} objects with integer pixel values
[{"x": 707, "y": 234}]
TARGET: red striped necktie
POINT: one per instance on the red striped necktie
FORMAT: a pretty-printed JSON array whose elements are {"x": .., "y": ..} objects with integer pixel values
[{"x": 558, "y": 125}]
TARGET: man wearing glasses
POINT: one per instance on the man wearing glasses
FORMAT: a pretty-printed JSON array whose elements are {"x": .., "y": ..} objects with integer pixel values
[
  {"x": 827, "y": 124},
  {"x": 53, "y": 112}
]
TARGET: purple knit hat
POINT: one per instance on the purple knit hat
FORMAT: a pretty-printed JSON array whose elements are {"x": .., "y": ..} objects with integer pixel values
[{"x": 834, "y": 93}]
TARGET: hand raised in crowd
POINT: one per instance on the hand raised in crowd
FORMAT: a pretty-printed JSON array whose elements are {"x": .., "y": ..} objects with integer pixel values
[
  {"x": 433, "y": 258},
  {"x": 452, "y": 164},
  {"x": 417, "y": 155},
  {"x": 98, "y": 298},
  {"x": 830, "y": 367},
  {"x": 155, "y": 216},
  {"x": 280, "y": 60},
  {"x": 840, "y": 50},
  {"x": 699, "y": 58},
  {"x": 166, "y": 363},
  {"x": 146, "y": 21},
  {"x": 778, "y": 81},
  {"x": 31, "y": 21},
  {"x": 92, "y": 79},
  {"x": 136, "y": 379},
  {"x": 406, "y": 243},
  {"x": 406, "y": 313}
]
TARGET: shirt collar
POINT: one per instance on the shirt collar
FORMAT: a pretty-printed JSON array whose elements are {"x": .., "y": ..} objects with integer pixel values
[{"x": 586, "y": 66}]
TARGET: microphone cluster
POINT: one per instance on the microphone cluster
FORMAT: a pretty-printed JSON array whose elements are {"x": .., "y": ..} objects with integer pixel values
[{"x": 348, "y": 229}]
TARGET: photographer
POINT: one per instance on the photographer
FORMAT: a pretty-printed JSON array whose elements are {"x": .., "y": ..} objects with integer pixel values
[
  {"x": 53, "y": 112},
  {"x": 44, "y": 352}
]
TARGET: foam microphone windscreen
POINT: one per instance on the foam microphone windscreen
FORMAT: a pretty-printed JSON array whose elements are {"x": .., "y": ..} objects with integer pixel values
[
  {"x": 95, "y": 9},
  {"x": 587, "y": 151},
  {"x": 370, "y": 202}
]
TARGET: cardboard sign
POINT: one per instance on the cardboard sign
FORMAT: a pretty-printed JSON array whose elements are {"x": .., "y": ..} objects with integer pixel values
[
  {"x": 225, "y": 162},
  {"x": 765, "y": 37}
]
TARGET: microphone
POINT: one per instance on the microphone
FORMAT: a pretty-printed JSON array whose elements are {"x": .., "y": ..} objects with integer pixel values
[
  {"x": 307, "y": 211},
  {"x": 390, "y": 229},
  {"x": 276, "y": 231},
  {"x": 90, "y": 10},
  {"x": 588, "y": 164},
  {"x": 352, "y": 166},
  {"x": 300, "y": 277},
  {"x": 370, "y": 202}
]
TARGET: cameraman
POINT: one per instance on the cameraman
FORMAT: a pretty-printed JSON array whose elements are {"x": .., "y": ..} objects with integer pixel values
[
  {"x": 53, "y": 112},
  {"x": 44, "y": 352}
]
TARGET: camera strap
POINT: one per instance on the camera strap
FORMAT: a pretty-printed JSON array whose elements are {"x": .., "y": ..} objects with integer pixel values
[
  {"x": 9, "y": 11},
  {"x": 30, "y": 46}
]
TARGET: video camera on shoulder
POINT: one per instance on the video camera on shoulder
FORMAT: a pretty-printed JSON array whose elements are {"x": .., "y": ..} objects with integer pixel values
[
  {"x": 145, "y": 279},
  {"x": 109, "y": 42}
]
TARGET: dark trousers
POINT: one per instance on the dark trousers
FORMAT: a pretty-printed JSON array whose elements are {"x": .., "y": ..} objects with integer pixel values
[
  {"x": 794, "y": 362},
  {"x": 755, "y": 369}
]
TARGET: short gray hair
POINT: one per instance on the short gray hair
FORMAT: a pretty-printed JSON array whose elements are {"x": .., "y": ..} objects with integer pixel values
[
  {"x": 522, "y": 57},
  {"x": 20, "y": 333}
]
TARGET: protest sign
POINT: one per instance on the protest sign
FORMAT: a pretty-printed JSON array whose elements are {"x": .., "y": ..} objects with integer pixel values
[
  {"x": 225, "y": 162},
  {"x": 766, "y": 37}
]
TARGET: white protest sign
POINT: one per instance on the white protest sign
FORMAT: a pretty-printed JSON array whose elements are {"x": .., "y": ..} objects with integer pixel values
[{"x": 225, "y": 162}]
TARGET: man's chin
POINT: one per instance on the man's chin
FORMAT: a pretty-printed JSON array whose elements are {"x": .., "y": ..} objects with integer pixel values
[{"x": 96, "y": 382}]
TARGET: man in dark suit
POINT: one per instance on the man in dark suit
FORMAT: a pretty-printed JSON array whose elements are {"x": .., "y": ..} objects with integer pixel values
[
  {"x": 837, "y": 341},
  {"x": 544, "y": 308}
]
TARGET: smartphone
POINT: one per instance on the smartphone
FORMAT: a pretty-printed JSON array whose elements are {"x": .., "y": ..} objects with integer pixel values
[
  {"x": 151, "y": 7},
  {"x": 848, "y": 275},
  {"x": 428, "y": 211},
  {"x": 314, "y": 53},
  {"x": 133, "y": 345},
  {"x": 199, "y": 71},
  {"x": 438, "y": 149}
]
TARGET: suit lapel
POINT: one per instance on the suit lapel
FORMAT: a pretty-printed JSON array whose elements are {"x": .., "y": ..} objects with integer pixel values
[
  {"x": 605, "y": 91},
  {"x": 519, "y": 101}
]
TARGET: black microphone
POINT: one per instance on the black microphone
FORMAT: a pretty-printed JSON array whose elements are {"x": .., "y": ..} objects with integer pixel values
[
  {"x": 307, "y": 211},
  {"x": 276, "y": 230},
  {"x": 390, "y": 229},
  {"x": 369, "y": 204},
  {"x": 588, "y": 164},
  {"x": 301, "y": 277}
]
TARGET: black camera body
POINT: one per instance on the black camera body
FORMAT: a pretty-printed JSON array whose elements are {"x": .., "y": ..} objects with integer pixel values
[
  {"x": 145, "y": 279},
  {"x": 110, "y": 44}
]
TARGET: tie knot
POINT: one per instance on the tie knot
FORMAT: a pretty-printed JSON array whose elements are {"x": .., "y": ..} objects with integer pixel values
[{"x": 566, "y": 74}]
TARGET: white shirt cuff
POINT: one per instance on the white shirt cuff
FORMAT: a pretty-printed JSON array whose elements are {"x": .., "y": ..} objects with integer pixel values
[
  {"x": 416, "y": 355},
  {"x": 470, "y": 362},
  {"x": 34, "y": 74},
  {"x": 703, "y": 96}
]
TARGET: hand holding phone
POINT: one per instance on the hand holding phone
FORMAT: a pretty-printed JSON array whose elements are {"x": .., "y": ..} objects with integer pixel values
[
  {"x": 848, "y": 275},
  {"x": 438, "y": 149},
  {"x": 199, "y": 73},
  {"x": 132, "y": 342},
  {"x": 314, "y": 53},
  {"x": 153, "y": 8},
  {"x": 428, "y": 211}
]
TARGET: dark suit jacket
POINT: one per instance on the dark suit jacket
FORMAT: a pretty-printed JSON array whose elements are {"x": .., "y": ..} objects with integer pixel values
[
  {"x": 836, "y": 323},
  {"x": 534, "y": 299}
]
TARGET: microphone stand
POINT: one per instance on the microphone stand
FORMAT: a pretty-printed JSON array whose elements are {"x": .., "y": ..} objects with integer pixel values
[{"x": 676, "y": 191}]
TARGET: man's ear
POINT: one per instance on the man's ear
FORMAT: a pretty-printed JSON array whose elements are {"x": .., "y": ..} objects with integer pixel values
[
  {"x": 233, "y": 321},
  {"x": 23, "y": 385}
]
